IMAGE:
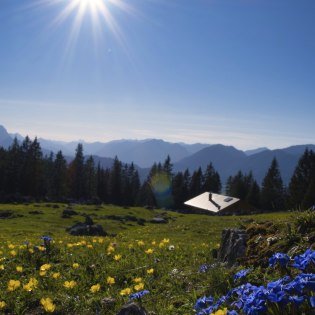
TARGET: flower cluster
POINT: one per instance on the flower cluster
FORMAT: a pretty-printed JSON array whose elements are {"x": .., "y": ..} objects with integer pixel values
[{"x": 249, "y": 299}]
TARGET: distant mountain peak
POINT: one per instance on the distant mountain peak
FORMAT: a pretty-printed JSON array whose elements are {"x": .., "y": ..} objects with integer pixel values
[{"x": 254, "y": 151}]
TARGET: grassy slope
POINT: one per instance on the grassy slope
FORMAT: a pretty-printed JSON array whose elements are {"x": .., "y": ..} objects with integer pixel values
[{"x": 171, "y": 292}]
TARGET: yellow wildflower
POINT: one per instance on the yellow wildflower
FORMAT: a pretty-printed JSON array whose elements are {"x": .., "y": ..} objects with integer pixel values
[
  {"x": 166, "y": 240},
  {"x": 101, "y": 240},
  {"x": 2, "y": 305},
  {"x": 137, "y": 280},
  {"x": 42, "y": 273},
  {"x": 150, "y": 271},
  {"x": 117, "y": 257},
  {"x": 19, "y": 269},
  {"x": 89, "y": 246},
  {"x": 48, "y": 305},
  {"x": 13, "y": 253},
  {"x": 95, "y": 288},
  {"x": 153, "y": 243},
  {"x": 31, "y": 251},
  {"x": 110, "y": 280},
  {"x": 56, "y": 275},
  {"x": 126, "y": 291},
  {"x": 110, "y": 249},
  {"x": 45, "y": 267},
  {"x": 75, "y": 265},
  {"x": 139, "y": 286},
  {"x": 11, "y": 246},
  {"x": 220, "y": 312},
  {"x": 31, "y": 285},
  {"x": 161, "y": 245},
  {"x": 149, "y": 251},
  {"x": 1, "y": 267},
  {"x": 140, "y": 243},
  {"x": 13, "y": 285},
  {"x": 41, "y": 248},
  {"x": 69, "y": 284}
]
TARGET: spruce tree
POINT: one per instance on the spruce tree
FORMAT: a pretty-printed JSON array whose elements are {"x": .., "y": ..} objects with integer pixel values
[
  {"x": 272, "y": 192},
  {"x": 212, "y": 181}
]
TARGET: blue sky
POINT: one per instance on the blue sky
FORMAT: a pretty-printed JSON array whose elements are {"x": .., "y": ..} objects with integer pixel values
[{"x": 238, "y": 72}]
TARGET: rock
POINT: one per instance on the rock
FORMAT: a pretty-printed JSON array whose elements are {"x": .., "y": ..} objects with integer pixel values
[
  {"x": 68, "y": 213},
  {"x": 5, "y": 214},
  {"x": 132, "y": 309},
  {"x": 159, "y": 220},
  {"x": 86, "y": 229},
  {"x": 233, "y": 246},
  {"x": 35, "y": 212}
]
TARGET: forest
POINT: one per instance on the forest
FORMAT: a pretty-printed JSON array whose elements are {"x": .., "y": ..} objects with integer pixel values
[{"x": 26, "y": 174}]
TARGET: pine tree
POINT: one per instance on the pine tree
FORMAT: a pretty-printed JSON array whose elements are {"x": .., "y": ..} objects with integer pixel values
[
  {"x": 90, "y": 179},
  {"x": 272, "y": 192},
  {"x": 196, "y": 183},
  {"x": 212, "y": 181},
  {"x": 59, "y": 178},
  {"x": 301, "y": 181},
  {"x": 115, "y": 182}
]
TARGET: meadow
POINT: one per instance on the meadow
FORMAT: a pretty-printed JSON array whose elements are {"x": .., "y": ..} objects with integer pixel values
[{"x": 64, "y": 274}]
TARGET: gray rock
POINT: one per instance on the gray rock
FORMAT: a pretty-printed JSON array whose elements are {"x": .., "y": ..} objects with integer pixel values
[
  {"x": 132, "y": 309},
  {"x": 233, "y": 246},
  {"x": 159, "y": 220},
  {"x": 85, "y": 229},
  {"x": 69, "y": 212}
]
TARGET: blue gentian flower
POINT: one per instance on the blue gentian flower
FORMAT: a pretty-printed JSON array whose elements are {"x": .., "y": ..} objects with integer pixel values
[
  {"x": 203, "y": 268},
  {"x": 241, "y": 274},
  {"x": 280, "y": 258},
  {"x": 138, "y": 295}
]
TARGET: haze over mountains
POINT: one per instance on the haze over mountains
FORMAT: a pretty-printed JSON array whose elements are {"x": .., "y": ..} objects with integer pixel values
[{"x": 227, "y": 160}]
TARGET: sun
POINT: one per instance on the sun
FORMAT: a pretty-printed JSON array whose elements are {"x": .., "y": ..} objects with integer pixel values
[{"x": 98, "y": 11}]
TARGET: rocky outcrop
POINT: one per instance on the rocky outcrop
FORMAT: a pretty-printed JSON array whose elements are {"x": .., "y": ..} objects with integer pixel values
[
  {"x": 132, "y": 309},
  {"x": 233, "y": 246}
]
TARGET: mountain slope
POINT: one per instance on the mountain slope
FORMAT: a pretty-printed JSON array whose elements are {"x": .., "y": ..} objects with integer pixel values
[{"x": 5, "y": 138}]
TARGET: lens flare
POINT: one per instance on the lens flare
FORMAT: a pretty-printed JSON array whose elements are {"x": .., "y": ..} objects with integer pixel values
[{"x": 161, "y": 188}]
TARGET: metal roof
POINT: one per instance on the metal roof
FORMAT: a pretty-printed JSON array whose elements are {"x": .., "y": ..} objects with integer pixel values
[{"x": 211, "y": 202}]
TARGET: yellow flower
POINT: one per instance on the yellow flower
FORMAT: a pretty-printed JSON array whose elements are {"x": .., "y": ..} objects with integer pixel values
[
  {"x": 42, "y": 273},
  {"x": 220, "y": 312},
  {"x": 101, "y": 240},
  {"x": 31, "y": 285},
  {"x": 2, "y": 305},
  {"x": 41, "y": 248},
  {"x": 1, "y": 267},
  {"x": 11, "y": 246},
  {"x": 117, "y": 257},
  {"x": 95, "y": 288},
  {"x": 153, "y": 243},
  {"x": 45, "y": 267},
  {"x": 110, "y": 249},
  {"x": 126, "y": 291},
  {"x": 31, "y": 251},
  {"x": 110, "y": 280},
  {"x": 139, "y": 286},
  {"x": 166, "y": 240},
  {"x": 140, "y": 243},
  {"x": 69, "y": 284},
  {"x": 89, "y": 246},
  {"x": 161, "y": 245},
  {"x": 13, "y": 253},
  {"x": 137, "y": 280},
  {"x": 149, "y": 251},
  {"x": 69, "y": 245},
  {"x": 56, "y": 275},
  {"x": 13, "y": 285},
  {"x": 75, "y": 265},
  {"x": 19, "y": 269},
  {"x": 150, "y": 271},
  {"x": 48, "y": 305}
]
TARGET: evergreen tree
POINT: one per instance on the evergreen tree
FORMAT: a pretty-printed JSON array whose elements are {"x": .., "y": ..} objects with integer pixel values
[
  {"x": 76, "y": 175},
  {"x": 272, "y": 192},
  {"x": 59, "y": 178},
  {"x": 179, "y": 190},
  {"x": 196, "y": 183},
  {"x": 212, "y": 181},
  {"x": 90, "y": 178},
  {"x": 301, "y": 181},
  {"x": 102, "y": 183},
  {"x": 115, "y": 182}
]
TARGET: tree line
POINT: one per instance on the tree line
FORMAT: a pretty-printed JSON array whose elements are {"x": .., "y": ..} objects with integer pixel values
[{"x": 27, "y": 174}]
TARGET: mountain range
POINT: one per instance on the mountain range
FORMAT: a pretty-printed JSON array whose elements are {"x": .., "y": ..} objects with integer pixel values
[{"x": 227, "y": 160}]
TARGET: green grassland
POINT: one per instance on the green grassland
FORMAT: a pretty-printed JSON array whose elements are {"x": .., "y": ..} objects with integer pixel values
[{"x": 173, "y": 252}]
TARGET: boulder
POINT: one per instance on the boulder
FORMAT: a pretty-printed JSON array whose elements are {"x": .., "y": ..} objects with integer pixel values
[
  {"x": 233, "y": 246},
  {"x": 159, "y": 220},
  {"x": 132, "y": 309},
  {"x": 87, "y": 229}
]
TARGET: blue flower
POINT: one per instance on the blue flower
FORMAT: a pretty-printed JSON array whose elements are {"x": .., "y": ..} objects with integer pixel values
[
  {"x": 204, "y": 302},
  {"x": 138, "y": 295},
  {"x": 46, "y": 238},
  {"x": 241, "y": 274},
  {"x": 302, "y": 261},
  {"x": 203, "y": 268},
  {"x": 312, "y": 301},
  {"x": 280, "y": 258}
]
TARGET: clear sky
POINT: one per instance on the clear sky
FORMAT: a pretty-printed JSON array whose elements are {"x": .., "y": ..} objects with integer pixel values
[{"x": 237, "y": 72}]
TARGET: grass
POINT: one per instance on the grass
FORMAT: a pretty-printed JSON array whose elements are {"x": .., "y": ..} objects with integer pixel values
[{"x": 176, "y": 251}]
